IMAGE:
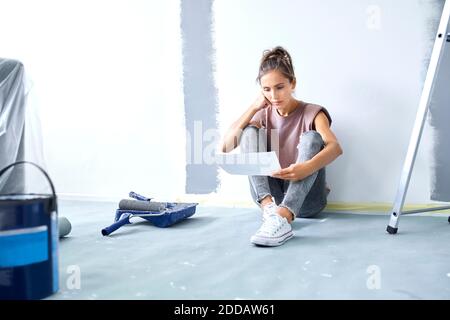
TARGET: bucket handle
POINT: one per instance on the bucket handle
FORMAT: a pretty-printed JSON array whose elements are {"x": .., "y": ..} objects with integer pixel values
[{"x": 53, "y": 206}]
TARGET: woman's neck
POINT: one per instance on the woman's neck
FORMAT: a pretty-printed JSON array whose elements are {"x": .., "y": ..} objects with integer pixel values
[{"x": 293, "y": 105}]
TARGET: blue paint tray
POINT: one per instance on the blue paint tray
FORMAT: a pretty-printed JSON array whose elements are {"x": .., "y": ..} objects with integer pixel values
[{"x": 174, "y": 212}]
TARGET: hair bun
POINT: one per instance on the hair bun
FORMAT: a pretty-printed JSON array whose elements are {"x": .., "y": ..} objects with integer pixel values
[
  {"x": 278, "y": 53},
  {"x": 276, "y": 58}
]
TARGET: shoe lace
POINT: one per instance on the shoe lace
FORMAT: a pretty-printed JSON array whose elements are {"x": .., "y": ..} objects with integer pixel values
[
  {"x": 269, "y": 209},
  {"x": 272, "y": 224}
]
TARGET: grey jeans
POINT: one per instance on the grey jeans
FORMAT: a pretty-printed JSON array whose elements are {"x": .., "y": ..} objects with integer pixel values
[{"x": 305, "y": 198}]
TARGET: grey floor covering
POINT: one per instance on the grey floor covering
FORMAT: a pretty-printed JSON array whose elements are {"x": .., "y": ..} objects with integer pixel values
[{"x": 209, "y": 256}]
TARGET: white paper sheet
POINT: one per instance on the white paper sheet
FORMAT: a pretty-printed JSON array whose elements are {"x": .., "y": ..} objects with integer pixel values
[{"x": 249, "y": 164}]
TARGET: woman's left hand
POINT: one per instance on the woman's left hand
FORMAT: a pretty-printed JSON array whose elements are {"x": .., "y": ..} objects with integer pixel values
[{"x": 295, "y": 172}]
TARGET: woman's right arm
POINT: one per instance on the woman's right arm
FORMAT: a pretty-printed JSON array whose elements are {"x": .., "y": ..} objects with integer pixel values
[{"x": 232, "y": 136}]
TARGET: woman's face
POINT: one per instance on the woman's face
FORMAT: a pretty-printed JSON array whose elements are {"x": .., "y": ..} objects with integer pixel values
[{"x": 277, "y": 89}]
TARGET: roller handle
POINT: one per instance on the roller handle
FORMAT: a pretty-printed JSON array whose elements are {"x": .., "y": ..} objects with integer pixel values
[
  {"x": 124, "y": 219},
  {"x": 138, "y": 196}
]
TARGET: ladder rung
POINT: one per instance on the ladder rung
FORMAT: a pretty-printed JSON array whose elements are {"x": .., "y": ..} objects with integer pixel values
[{"x": 425, "y": 210}]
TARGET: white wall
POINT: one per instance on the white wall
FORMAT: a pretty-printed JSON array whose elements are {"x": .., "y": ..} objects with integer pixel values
[
  {"x": 364, "y": 67},
  {"x": 108, "y": 78}
]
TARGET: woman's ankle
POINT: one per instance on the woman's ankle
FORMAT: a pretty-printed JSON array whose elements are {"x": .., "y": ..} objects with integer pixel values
[
  {"x": 267, "y": 200},
  {"x": 286, "y": 213}
]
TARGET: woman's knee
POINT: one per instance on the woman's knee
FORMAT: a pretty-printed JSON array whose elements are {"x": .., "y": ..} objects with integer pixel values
[
  {"x": 311, "y": 139},
  {"x": 249, "y": 139},
  {"x": 251, "y": 131}
]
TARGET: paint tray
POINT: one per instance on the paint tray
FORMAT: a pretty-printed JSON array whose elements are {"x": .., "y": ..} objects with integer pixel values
[
  {"x": 175, "y": 212},
  {"x": 172, "y": 213}
]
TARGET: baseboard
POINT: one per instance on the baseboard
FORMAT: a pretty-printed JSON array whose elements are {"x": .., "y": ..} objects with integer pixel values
[{"x": 217, "y": 201}]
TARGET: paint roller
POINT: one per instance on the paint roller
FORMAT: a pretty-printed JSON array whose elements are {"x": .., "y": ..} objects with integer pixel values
[
  {"x": 137, "y": 208},
  {"x": 138, "y": 205},
  {"x": 160, "y": 214}
]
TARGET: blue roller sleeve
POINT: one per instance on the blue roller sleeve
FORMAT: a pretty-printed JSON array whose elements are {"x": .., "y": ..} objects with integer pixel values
[{"x": 124, "y": 219}]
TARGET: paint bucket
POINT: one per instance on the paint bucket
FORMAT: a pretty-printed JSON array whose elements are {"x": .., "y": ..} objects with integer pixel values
[{"x": 28, "y": 243}]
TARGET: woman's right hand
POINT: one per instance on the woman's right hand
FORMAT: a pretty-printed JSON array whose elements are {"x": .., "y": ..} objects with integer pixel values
[{"x": 261, "y": 102}]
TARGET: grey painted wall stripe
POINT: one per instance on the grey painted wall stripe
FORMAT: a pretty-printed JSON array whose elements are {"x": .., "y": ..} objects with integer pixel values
[
  {"x": 200, "y": 93},
  {"x": 439, "y": 122},
  {"x": 439, "y": 111}
]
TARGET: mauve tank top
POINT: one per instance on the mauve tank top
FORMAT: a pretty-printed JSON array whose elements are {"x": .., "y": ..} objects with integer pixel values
[{"x": 288, "y": 129}]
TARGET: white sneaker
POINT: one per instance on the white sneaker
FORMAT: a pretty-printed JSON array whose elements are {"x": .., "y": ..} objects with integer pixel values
[{"x": 274, "y": 231}]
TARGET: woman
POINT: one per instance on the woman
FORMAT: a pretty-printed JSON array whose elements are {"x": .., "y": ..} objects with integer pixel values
[{"x": 300, "y": 134}]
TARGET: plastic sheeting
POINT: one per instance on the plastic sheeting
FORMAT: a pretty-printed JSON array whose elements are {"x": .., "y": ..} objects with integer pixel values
[
  {"x": 12, "y": 120},
  {"x": 20, "y": 136}
]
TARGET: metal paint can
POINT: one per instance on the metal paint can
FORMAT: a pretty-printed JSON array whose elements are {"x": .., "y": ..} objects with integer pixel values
[{"x": 29, "y": 263}]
